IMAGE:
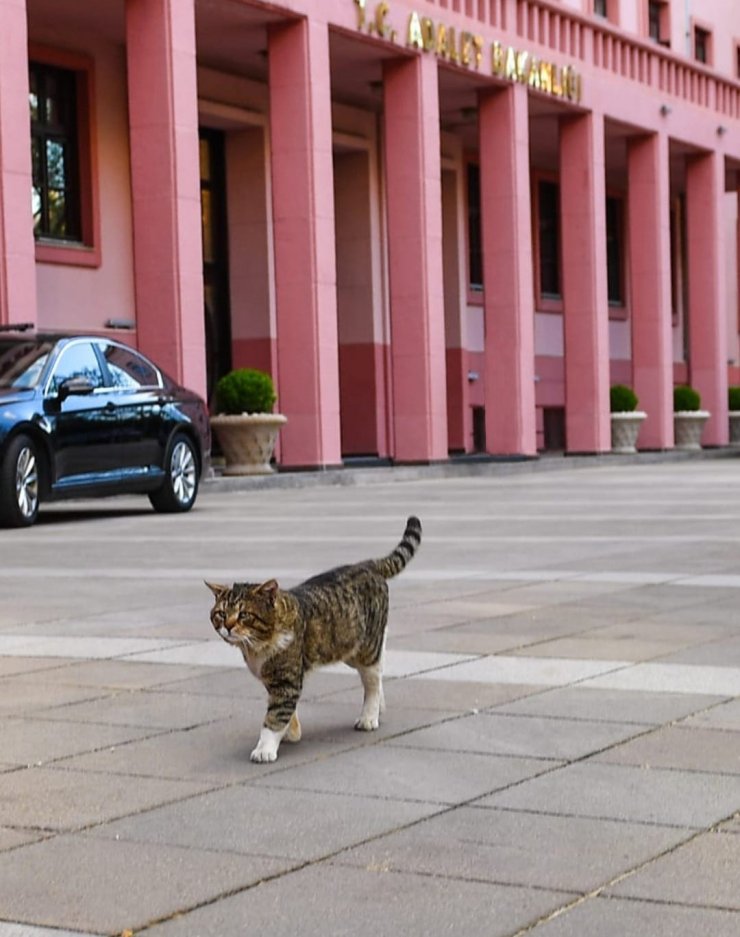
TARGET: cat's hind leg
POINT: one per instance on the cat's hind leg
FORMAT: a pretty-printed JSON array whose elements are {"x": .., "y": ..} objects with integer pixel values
[
  {"x": 293, "y": 732},
  {"x": 374, "y": 703}
]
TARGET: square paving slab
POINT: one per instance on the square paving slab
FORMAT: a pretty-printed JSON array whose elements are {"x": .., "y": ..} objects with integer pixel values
[
  {"x": 268, "y": 821},
  {"x": 100, "y": 885},
  {"x": 686, "y": 799},
  {"x": 565, "y": 853},
  {"x": 521, "y": 736},
  {"x": 696, "y": 873},
  {"x": 608, "y": 917},
  {"x": 61, "y": 799},
  {"x": 632, "y": 706},
  {"x": 681, "y": 747},
  {"x": 357, "y": 903},
  {"x": 409, "y": 774}
]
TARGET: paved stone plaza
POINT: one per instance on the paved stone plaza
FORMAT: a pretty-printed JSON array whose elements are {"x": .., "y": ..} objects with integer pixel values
[{"x": 560, "y": 753}]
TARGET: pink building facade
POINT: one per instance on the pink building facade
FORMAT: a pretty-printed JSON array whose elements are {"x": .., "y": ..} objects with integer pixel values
[{"x": 444, "y": 226}]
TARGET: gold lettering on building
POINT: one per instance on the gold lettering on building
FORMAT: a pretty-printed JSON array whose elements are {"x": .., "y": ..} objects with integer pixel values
[
  {"x": 360, "y": 4},
  {"x": 466, "y": 49},
  {"x": 498, "y": 60},
  {"x": 429, "y": 34},
  {"x": 381, "y": 14},
  {"x": 414, "y": 34},
  {"x": 546, "y": 77},
  {"x": 510, "y": 70},
  {"x": 523, "y": 66}
]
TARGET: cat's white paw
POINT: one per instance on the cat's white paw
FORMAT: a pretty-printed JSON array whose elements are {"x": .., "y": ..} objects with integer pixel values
[
  {"x": 367, "y": 724},
  {"x": 267, "y": 747},
  {"x": 262, "y": 755}
]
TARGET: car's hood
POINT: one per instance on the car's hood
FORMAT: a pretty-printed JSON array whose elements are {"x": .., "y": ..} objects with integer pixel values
[{"x": 14, "y": 395}]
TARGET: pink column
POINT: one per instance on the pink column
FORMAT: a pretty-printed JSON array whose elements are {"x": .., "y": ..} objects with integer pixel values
[
  {"x": 585, "y": 300},
  {"x": 507, "y": 272},
  {"x": 305, "y": 265},
  {"x": 650, "y": 286},
  {"x": 17, "y": 261},
  {"x": 412, "y": 164},
  {"x": 705, "y": 186},
  {"x": 165, "y": 179}
]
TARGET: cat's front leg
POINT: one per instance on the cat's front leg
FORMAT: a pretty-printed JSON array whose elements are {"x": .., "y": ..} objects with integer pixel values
[{"x": 281, "y": 718}]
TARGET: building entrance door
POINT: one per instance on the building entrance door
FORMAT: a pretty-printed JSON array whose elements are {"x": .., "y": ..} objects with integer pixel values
[{"x": 215, "y": 256}]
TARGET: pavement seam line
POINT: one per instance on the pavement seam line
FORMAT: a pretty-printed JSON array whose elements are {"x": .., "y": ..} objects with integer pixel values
[{"x": 595, "y": 893}]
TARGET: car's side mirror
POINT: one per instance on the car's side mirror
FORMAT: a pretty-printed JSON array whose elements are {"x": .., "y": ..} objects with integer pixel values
[{"x": 75, "y": 386}]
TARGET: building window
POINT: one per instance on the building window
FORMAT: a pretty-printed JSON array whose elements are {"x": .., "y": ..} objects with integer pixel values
[
  {"x": 548, "y": 238},
  {"x": 606, "y": 9},
  {"x": 475, "y": 240},
  {"x": 658, "y": 23},
  {"x": 63, "y": 191},
  {"x": 615, "y": 250},
  {"x": 54, "y": 153},
  {"x": 702, "y": 45}
]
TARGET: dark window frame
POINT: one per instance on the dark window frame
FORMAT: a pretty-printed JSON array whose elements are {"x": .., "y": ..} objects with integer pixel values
[
  {"x": 657, "y": 25},
  {"x": 615, "y": 251},
  {"x": 55, "y": 153},
  {"x": 702, "y": 44},
  {"x": 475, "y": 230},
  {"x": 548, "y": 255},
  {"x": 82, "y": 247}
]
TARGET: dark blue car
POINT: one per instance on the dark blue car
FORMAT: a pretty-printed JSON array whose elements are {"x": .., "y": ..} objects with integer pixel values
[{"x": 85, "y": 416}]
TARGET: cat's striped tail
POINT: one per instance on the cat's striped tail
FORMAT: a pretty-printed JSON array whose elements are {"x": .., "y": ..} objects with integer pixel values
[{"x": 392, "y": 564}]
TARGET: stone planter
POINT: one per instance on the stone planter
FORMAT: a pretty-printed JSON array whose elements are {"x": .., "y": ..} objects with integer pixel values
[
  {"x": 687, "y": 428},
  {"x": 734, "y": 427},
  {"x": 625, "y": 429},
  {"x": 248, "y": 441}
]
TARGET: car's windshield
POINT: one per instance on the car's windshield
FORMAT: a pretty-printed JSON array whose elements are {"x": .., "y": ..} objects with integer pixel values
[{"x": 21, "y": 362}]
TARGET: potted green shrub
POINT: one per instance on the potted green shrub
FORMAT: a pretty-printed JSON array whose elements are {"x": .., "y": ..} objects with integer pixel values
[
  {"x": 626, "y": 419},
  {"x": 244, "y": 423},
  {"x": 733, "y": 400},
  {"x": 688, "y": 417}
]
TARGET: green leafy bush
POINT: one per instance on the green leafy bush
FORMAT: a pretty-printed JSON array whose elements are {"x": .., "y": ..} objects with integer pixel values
[
  {"x": 733, "y": 398},
  {"x": 686, "y": 398},
  {"x": 245, "y": 390},
  {"x": 622, "y": 399}
]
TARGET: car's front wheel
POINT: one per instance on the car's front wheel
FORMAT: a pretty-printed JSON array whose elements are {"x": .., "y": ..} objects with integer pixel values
[
  {"x": 180, "y": 487},
  {"x": 19, "y": 483}
]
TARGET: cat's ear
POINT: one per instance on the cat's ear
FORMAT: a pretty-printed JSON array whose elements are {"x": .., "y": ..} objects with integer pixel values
[
  {"x": 217, "y": 590},
  {"x": 269, "y": 590}
]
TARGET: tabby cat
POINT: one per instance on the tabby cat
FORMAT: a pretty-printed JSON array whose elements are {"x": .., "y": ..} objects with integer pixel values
[{"x": 340, "y": 615}]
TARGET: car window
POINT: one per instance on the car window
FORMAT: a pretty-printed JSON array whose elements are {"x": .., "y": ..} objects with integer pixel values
[
  {"x": 21, "y": 363},
  {"x": 77, "y": 360},
  {"x": 127, "y": 368}
]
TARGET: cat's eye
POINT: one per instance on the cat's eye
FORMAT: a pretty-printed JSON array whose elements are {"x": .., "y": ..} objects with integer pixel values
[{"x": 218, "y": 618}]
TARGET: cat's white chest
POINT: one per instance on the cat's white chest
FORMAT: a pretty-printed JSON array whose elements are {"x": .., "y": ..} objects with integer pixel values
[{"x": 254, "y": 663}]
